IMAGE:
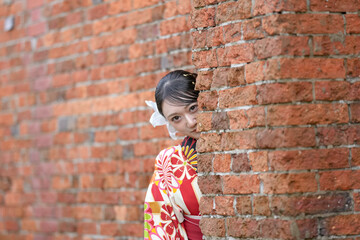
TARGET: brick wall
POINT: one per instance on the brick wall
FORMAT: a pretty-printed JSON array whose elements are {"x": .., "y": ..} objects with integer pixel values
[
  {"x": 280, "y": 99},
  {"x": 76, "y": 148},
  {"x": 279, "y": 154}
]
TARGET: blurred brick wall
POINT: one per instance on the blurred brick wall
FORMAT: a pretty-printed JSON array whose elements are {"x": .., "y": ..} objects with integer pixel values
[
  {"x": 76, "y": 148},
  {"x": 280, "y": 151}
]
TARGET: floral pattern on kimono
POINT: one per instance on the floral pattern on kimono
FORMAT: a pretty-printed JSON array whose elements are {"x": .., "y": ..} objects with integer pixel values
[{"x": 172, "y": 193}]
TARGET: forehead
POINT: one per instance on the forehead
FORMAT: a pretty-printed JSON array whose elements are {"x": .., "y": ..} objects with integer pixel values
[{"x": 170, "y": 108}]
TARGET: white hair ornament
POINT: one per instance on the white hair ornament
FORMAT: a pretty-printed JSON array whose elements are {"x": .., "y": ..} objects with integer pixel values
[{"x": 157, "y": 119}]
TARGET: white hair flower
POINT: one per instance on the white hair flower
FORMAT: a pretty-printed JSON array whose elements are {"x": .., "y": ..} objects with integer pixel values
[{"x": 157, "y": 119}]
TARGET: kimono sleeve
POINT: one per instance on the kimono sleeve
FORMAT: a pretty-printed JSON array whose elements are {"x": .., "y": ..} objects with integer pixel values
[{"x": 160, "y": 219}]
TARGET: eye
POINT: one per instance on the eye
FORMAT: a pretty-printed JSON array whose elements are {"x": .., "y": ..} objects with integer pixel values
[
  {"x": 193, "y": 108},
  {"x": 175, "y": 119}
]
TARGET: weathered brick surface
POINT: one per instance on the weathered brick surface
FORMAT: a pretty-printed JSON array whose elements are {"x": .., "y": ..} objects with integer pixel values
[{"x": 281, "y": 81}]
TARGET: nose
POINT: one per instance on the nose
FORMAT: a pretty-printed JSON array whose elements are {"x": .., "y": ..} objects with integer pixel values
[{"x": 190, "y": 120}]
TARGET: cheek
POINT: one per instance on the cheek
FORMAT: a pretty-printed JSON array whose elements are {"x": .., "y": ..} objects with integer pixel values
[{"x": 179, "y": 127}]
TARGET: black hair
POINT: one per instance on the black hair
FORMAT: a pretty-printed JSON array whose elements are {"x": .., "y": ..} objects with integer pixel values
[{"x": 176, "y": 87}]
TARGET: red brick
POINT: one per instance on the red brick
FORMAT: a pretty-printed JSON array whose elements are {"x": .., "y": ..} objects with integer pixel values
[
  {"x": 220, "y": 121},
  {"x": 207, "y": 205},
  {"x": 243, "y": 227},
  {"x": 119, "y": 7},
  {"x": 289, "y": 183},
  {"x": 240, "y": 163},
  {"x": 356, "y": 201},
  {"x": 334, "y": 6},
  {"x": 213, "y": 227},
  {"x": 48, "y": 226},
  {"x": 303, "y": 24},
  {"x": 263, "y": 70},
  {"x": 237, "y": 54},
  {"x": 145, "y": 148},
  {"x": 335, "y": 45},
  {"x": 286, "y": 137},
  {"x": 204, "y": 17},
  {"x": 308, "y": 228},
  {"x": 106, "y": 136},
  {"x": 99, "y": 152},
  {"x": 109, "y": 229},
  {"x": 208, "y": 100},
  {"x": 355, "y": 152},
  {"x": 239, "y": 140},
  {"x": 341, "y": 225},
  {"x": 355, "y": 112},
  {"x": 239, "y": 96},
  {"x": 352, "y": 23},
  {"x": 312, "y": 68},
  {"x": 353, "y": 67},
  {"x": 210, "y": 184},
  {"x": 126, "y": 36},
  {"x": 176, "y": 25},
  {"x": 243, "y": 205},
  {"x": 6, "y": 120},
  {"x": 261, "y": 206},
  {"x": 242, "y": 184},
  {"x": 86, "y": 228},
  {"x": 228, "y": 77},
  {"x": 254, "y": 228},
  {"x": 222, "y": 163},
  {"x": 204, "y": 59},
  {"x": 332, "y": 90},
  {"x": 98, "y": 11},
  {"x": 109, "y": 24},
  {"x": 128, "y": 213},
  {"x": 233, "y": 11},
  {"x": 36, "y": 29},
  {"x": 141, "y": 4},
  {"x": 284, "y": 45},
  {"x": 262, "y": 7},
  {"x": 61, "y": 183},
  {"x": 204, "y": 80},
  {"x": 10, "y": 225},
  {"x": 141, "y": 17},
  {"x": 309, "y": 159},
  {"x": 339, "y": 180},
  {"x": 252, "y": 29},
  {"x": 253, "y": 117},
  {"x": 224, "y": 205},
  {"x": 307, "y": 114},
  {"x": 34, "y": 3},
  {"x": 148, "y": 132},
  {"x": 204, "y": 121},
  {"x": 338, "y": 135},
  {"x": 205, "y": 162},
  {"x": 259, "y": 161},
  {"x": 232, "y": 33},
  {"x": 310, "y": 205},
  {"x": 29, "y": 225},
  {"x": 284, "y": 92},
  {"x": 63, "y": 138},
  {"x": 130, "y": 133},
  {"x": 201, "y": 3}
]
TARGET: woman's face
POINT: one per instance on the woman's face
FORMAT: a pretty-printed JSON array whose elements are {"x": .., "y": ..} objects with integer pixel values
[{"x": 182, "y": 118}]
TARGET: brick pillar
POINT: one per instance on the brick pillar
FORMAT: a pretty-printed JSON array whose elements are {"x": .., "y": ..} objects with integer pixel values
[{"x": 279, "y": 155}]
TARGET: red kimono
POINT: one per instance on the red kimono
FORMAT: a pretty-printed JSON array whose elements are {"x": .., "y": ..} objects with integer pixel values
[{"x": 172, "y": 200}]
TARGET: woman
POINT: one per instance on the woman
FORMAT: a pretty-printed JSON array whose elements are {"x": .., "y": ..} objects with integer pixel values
[{"x": 172, "y": 200}]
